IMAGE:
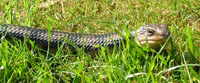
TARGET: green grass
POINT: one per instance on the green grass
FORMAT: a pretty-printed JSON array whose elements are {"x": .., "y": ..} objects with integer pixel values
[{"x": 128, "y": 63}]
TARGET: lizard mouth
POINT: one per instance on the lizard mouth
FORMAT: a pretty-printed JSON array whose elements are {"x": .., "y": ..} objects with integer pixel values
[{"x": 153, "y": 41}]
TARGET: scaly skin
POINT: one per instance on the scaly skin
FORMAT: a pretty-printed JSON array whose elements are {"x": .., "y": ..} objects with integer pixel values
[{"x": 156, "y": 34}]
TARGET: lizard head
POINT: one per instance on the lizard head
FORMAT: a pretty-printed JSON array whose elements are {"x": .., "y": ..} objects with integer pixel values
[{"x": 155, "y": 35}]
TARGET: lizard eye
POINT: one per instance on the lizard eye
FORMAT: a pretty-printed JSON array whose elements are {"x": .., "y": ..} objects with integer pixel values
[{"x": 150, "y": 32}]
